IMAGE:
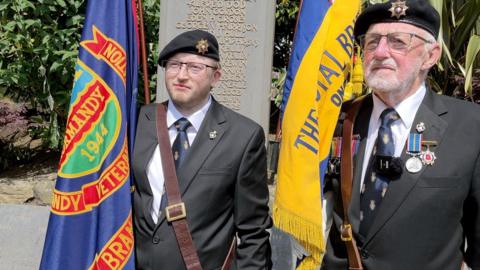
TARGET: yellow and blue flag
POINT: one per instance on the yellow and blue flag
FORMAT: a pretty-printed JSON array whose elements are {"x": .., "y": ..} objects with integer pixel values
[
  {"x": 90, "y": 225},
  {"x": 313, "y": 94}
]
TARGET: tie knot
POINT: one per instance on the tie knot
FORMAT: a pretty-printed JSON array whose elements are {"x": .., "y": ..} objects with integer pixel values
[
  {"x": 182, "y": 124},
  {"x": 389, "y": 116}
]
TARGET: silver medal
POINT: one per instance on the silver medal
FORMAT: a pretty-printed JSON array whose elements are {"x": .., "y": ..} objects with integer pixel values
[{"x": 413, "y": 165}]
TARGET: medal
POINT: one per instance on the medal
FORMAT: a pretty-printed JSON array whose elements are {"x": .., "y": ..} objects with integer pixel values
[
  {"x": 414, "y": 147},
  {"x": 355, "y": 143},
  {"x": 413, "y": 165},
  {"x": 428, "y": 157},
  {"x": 336, "y": 147}
]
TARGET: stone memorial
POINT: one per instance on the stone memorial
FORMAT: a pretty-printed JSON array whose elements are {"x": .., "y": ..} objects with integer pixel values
[{"x": 245, "y": 31}]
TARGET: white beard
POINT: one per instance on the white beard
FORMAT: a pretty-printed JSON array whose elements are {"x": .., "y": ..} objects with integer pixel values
[{"x": 390, "y": 84}]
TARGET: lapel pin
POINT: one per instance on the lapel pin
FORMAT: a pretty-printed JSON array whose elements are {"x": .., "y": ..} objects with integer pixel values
[
  {"x": 420, "y": 127},
  {"x": 212, "y": 135}
]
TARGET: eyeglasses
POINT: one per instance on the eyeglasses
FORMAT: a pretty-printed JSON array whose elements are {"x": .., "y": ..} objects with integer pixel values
[
  {"x": 174, "y": 66},
  {"x": 397, "y": 42}
]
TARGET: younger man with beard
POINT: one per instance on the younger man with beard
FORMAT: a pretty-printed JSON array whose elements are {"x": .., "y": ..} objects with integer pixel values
[{"x": 221, "y": 191}]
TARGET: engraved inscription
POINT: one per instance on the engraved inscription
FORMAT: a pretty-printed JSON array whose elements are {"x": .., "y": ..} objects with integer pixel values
[{"x": 227, "y": 21}]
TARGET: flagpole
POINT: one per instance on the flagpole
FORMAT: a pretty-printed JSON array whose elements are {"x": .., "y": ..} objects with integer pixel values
[{"x": 144, "y": 52}]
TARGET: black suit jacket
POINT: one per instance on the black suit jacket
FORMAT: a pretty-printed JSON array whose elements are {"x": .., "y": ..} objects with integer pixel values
[
  {"x": 426, "y": 216},
  {"x": 223, "y": 184}
]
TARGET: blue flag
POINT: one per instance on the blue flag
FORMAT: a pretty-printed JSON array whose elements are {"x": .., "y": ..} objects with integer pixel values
[{"x": 90, "y": 225}]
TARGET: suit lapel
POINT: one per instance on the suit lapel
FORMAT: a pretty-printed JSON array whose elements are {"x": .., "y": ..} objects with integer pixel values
[
  {"x": 203, "y": 144},
  {"x": 144, "y": 159},
  {"x": 429, "y": 113}
]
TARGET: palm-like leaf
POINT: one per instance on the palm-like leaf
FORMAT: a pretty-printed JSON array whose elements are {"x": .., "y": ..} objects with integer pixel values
[
  {"x": 459, "y": 23},
  {"x": 472, "y": 51}
]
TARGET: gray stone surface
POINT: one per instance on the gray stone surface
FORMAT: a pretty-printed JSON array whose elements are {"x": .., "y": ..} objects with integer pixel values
[
  {"x": 43, "y": 191},
  {"x": 32, "y": 189},
  {"x": 245, "y": 31},
  {"x": 282, "y": 254},
  {"x": 22, "y": 233},
  {"x": 16, "y": 191}
]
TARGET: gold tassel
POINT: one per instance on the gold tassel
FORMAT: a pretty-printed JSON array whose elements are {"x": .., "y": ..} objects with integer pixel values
[
  {"x": 357, "y": 75},
  {"x": 348, "y": 91}
]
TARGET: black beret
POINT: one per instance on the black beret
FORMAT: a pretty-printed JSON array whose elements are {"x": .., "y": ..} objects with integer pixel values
[
  {"x": 196, "y": 42},
  {"x": 416, "y": 12}
]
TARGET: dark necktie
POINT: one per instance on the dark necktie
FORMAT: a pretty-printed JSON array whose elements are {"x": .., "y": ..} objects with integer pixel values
[
  {"x": 180, "y": 145},
  {"x": 375, "y": 185},
  {"x": 179, "y": 150}
]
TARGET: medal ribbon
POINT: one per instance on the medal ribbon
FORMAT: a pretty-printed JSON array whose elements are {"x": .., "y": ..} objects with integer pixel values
[{"x": 414, "y": 143}]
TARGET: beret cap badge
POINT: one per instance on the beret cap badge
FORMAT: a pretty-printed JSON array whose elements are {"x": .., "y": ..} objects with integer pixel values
[
  {"x": 398, "y": 9},
  {"x": 202, "y": 46}
]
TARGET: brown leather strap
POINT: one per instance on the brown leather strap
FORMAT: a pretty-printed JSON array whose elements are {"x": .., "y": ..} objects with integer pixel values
[
  {"x": 175, "y": 211},
  {"x": 227, "y": 264},
  {"x": 346, "y": 176}
]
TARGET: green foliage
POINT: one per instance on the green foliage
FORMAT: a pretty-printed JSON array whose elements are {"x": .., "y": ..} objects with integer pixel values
[
  {"x": 285, "y": 17},
  {"x": 39, "y": 42},
  {"x": 151, "y": 17},
  {"x": 457, "y": 74},
  {"x": 38, "y": 48},
  {"x": 473, "y": 49},
  {"x": 278, "y": 81}
]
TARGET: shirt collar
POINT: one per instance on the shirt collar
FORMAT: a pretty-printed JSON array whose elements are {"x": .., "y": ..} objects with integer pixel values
[
  {"x": 407, "y": 109},
  {"x": 195, "y": 118}
]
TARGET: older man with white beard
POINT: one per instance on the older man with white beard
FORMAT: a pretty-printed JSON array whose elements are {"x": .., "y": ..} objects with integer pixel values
[{"x": 413, "y": 201}]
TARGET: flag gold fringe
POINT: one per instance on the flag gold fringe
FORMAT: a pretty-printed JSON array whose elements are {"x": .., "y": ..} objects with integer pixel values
[{"x": 304, "y": 232}]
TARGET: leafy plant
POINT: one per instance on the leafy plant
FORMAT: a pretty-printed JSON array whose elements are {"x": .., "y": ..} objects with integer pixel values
[
  {"x": 38, "y": 48},
  {"x": 285, "y": 16},
  {"x": 151, "y": 17},
  {"x": 39, "y": 41},
  {"x": 458, "y": 72}
]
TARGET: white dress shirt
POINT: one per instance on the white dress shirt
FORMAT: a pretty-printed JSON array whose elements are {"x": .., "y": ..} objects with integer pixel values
[
  {"x": 407, "y": 109},
  {"x": 154, "y": 167}
]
